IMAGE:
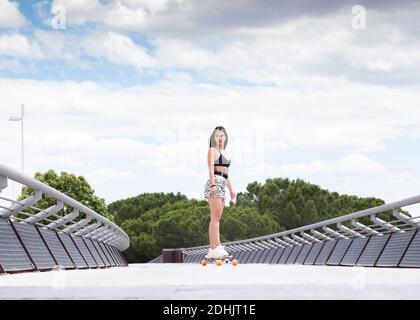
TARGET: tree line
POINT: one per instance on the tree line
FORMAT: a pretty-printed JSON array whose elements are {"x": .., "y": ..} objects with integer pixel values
[
  {"x": 167, "y": 220},
  {"x": 155, "y": 221}
]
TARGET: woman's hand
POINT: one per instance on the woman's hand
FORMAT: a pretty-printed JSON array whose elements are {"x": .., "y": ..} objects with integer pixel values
[
  {"x": 232, "y": 195},
  {"x": 213, "y": 189}
]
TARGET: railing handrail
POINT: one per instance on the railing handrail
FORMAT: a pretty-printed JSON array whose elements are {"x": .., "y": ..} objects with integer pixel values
[
  {"x": 355, "y": 215},
  {"x": 38, "y": 185}
]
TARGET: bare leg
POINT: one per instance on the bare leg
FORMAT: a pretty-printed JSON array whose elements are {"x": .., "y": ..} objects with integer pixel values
[{"x": 216, "y": 209}]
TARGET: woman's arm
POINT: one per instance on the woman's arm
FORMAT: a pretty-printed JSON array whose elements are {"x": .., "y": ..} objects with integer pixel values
[
  {"x": 229, "y": 184},
  {"x": 210, "y": 162},
  {"x": 230, "y": 187}
]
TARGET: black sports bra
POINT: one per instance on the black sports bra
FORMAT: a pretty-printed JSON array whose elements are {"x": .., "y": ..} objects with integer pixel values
[{"x": 222, "y": 161}]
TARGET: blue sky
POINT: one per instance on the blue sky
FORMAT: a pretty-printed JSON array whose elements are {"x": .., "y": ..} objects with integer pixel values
[{"x": 128, "y": 92}]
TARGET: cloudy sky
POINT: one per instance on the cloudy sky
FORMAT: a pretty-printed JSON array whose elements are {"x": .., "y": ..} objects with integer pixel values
[{"x": 127, "y": 92}]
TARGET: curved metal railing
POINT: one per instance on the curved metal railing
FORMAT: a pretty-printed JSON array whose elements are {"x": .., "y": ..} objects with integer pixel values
[
  {"x": 346, "y": 226},
  {"x": 82, "y": 221}
]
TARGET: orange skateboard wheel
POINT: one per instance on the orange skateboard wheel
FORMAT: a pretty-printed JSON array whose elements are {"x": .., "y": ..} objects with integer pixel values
[
  {"x": 234, "y": 262},
  {"x": 218, "y": 262},
  {"x": 203, "y": 263}
]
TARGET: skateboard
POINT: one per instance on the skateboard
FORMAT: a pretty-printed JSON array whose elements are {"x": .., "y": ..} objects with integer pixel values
[{"x": 219, "y": 262}]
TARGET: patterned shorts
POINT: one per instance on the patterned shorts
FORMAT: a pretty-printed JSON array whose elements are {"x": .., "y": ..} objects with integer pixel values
[{"x": 220, "y": 183}]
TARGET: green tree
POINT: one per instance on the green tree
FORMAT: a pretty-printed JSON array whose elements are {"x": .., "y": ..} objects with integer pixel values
[
  {"x": 241, "y": 223},
  {"x": 75, "y": 187},
  {"x": 299, "y": 202},
  {"x": 136, "y": 206},
  {"x": 309, "y": 214},
  {"x": 291, "y": 218},
  {"x": 156, "y": 220}
]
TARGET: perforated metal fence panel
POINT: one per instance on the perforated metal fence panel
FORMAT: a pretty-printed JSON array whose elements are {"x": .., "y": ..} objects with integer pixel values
[
  {"x": 285, "y": 255},
  {"x": 313, "y": 254},
  {"x": 253, "y": 256},
  {"x": 411, "y": 258},
  {"x": 270, "y": 255},
  {"x": 235, "y": 253},
  {"x": 395, "y": 249},
  {"x": 339, "y": 251},
  {"x": 238, "y": 254},
  {"x": 200, "y": 257},
  {"x": 188, "y": 258},
  {"x": 118, "y": 263},
  {"x": 108, "y": 255},
  {"x": 325, "y": 252},
  {"x": 35, "y": 245},
  {"x": 101, "y": 253},
  {"x": 247, "y": 256},
  {"x": 72, "y": 250},
  {"x": 122, "y": 256},
  {"x": 194, "y": 258},
  {"x": 354, "y": 251},
  {"x": 294, "y": 254},
  {"x": 57, "y": 249},
  {"x": 257, "y": 256},
  {"x": 94, "y": 252},
  {"x": 372, "y": 250},
  {"x": 84, "y": 251},
  {"x": 12, "y": 254},
  {"x": 117, "y": 255},
  {"x": 242, "y": 255},
  {"x": 303, "y": 254},
  {"x": 277, "y": 255},
  {"x": 264, "y": 256}
]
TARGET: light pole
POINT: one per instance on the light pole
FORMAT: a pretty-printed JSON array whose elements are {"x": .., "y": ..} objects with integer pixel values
[{"x": 20, "y": 118}]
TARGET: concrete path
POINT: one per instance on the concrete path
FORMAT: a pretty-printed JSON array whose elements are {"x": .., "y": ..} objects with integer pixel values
[{"x": 192, "y": 281}]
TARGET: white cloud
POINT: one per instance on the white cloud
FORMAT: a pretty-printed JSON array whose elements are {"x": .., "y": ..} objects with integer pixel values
[
  {"x": 151, "y": 6},
  {"x": 379, "y": 64},
  {"x": 308, "y": 51},
  {"x": 177, "y": 171},
  {"x": 276, "y": 145},
  {"x": 114, "y": 47},
  {"x": 351, "y": 163},
  {"x": 15, "y": 45},
  {"x": 177, "y": 53},
  {"x": 79, "y": 11},
  {"x": 119, "y": 49},
  {"x": 121, "y": 17},
  {"x": 354, "y": 174},
  {"x": 58, "y": 45},
  {"x": 344, "y": 115},
  {"x": 10, "y": 16},
  {"x": 358, "y": 162},
  {"x": 12, "y": 64},
  {"x": 109, "y": 174},
  {"x": 131, "y": 15},
  {"x": 18, "y": 46},
  {"x": 159, "y": 133},
  {"x": 321, "y": 89}
]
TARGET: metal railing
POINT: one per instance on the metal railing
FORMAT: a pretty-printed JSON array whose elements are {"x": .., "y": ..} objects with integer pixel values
[
  {"x": 343, "y": 227},
  {"x": 81, "y": 221}
]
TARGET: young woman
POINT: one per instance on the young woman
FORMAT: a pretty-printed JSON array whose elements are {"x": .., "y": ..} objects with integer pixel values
[{"x": 214, "y": 191}]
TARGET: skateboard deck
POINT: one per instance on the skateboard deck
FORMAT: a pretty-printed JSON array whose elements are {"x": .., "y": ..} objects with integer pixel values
[{"x": 220, "y": 261}]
